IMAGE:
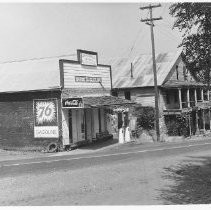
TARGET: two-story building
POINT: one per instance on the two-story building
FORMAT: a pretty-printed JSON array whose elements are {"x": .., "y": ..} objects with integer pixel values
[{"x": 179, "y": 92}]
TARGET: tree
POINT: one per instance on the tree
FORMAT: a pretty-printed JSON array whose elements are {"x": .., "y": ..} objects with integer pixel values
[{"x": 194, "y": 20}]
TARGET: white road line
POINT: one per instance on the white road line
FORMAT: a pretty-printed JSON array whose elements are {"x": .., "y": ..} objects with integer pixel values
[{"x": 107, "y": 155}]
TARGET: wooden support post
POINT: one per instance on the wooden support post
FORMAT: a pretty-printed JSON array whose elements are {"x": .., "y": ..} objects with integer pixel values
[
  {"x": 195, "y": 97},
  {"x": 180, "y": 98},
  {"x": 197, "y": 123},
  {"x": 189, "y": 121},
  {"x": 188, "y": 97},
  {"x": 203, "y": 119},
  {"x": 202, "y": 95},
  {"x": 208, "y": 95},
  {"x": 209, "y": 119}
]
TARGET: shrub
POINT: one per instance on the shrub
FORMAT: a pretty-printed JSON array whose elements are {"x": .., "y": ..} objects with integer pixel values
[
  {"x": 177, "y": 125},
  {"x": 145, "y": 117}
]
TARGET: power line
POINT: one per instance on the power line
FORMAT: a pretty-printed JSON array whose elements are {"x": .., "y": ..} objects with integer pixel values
[
  {"x": 133, "y": 45},
  {"x": 164, "y": 30},
  {"x": 135, "y": 41},
  {"x": 40, "y": 58}
]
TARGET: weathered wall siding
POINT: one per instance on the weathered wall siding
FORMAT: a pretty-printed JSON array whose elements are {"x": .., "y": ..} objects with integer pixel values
[
  {"x": 73, "y": 92},
  {"x": 72, "y": 70},
  {"x": 172, "y": 74},
  {"x": 181, "y": 67},
  {"x": 17, "y": 120},
  {"x": 144, "y": 96},
  {"x": 147, "y": 101}
]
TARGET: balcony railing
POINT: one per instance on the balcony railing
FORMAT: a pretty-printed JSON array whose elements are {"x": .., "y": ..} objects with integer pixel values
[{"x": 185, "y": 104}]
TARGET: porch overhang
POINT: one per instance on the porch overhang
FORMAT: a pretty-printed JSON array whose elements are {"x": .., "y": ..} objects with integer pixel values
[
  {"x": 182, "y": 84},
  {"x": 106, "y": 101},
  {"x": 96, "y": 102}
]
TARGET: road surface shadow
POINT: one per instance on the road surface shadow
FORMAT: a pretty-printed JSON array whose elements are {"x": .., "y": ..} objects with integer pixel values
[
  {"x": 190, "y": 182},
  {"x": 99, "y": 144}
]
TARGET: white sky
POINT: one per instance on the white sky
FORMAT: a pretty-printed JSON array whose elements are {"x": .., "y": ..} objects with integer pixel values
[{"x": 34, "y": 30}]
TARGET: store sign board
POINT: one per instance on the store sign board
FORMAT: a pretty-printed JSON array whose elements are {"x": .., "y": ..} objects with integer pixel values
[
  {"x": 46, "y": 118},
  {"x": 88, "y": 79},
  {"x": 72, "y": 103},
  {"x": 88, "y": 59},
  {"x": 46, "y": 132}
]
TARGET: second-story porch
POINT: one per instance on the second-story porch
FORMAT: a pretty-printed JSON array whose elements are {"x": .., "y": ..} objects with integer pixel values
[
  {"x": 185, "y": 95},
  {"x": 184, "y": 98},
  {"x": 193, "y": 99}
]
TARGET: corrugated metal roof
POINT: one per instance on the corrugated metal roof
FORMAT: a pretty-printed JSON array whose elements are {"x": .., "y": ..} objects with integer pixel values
[
  {"x": 142, "y": 70},
  {"x": 30, "y": 75}
]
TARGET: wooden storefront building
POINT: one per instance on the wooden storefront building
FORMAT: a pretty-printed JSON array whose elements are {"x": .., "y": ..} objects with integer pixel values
[{"x": 56, "y": 100}]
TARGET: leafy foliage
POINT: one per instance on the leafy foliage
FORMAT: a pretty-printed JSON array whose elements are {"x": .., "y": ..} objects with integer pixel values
[
  {"x": 194, "y": 20},
  {"x": 145, "y": 117},
  {"x": 177, "y": 125}
]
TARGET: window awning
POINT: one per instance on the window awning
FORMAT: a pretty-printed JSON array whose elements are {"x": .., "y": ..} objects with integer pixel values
[
  {"x": 95, "y": 102},
  {"x": 108, "y": 101}
]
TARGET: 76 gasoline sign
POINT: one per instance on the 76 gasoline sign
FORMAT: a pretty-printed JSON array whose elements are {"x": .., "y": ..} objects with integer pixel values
[{"x": 46, "y": 120}]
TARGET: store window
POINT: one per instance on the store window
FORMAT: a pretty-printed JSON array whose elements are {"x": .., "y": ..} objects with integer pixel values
[
  {"x": 127, "y": 95},
  {"x": 114, "y": 93}
]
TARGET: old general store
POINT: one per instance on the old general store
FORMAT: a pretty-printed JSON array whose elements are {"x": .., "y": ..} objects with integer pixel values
[{"x": 56, "y": 99}]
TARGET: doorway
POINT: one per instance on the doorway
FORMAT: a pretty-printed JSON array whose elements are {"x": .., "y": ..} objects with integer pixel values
[{"x": 77, "y": 125}]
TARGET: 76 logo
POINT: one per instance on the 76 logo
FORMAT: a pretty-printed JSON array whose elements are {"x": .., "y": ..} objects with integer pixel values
[{"x": 45, "y": 112}]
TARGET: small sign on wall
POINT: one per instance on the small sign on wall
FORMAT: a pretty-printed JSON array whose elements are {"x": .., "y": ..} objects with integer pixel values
[
  {"x": 46, "y": 118},
  {"x": 87, "y": 57},
  {"x": 88, "y": 79},
  {"x": 72, "y": 103}
]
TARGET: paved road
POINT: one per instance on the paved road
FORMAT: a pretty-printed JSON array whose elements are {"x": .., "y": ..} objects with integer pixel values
[{"x": 120, "y": 176}]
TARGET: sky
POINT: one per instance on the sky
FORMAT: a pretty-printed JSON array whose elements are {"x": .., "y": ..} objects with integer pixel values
[{"x": 36, "y": 30}]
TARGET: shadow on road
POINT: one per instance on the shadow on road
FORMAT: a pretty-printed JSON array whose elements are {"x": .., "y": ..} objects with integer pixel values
[
  {"x": 100, "y": 144},
  {"x": 190, "y": 182}
]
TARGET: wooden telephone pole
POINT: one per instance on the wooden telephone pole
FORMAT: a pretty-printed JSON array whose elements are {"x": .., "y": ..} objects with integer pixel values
[{"x": 150, "y": 23}]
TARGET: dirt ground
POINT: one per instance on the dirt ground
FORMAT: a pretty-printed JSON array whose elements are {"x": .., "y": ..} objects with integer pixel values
[{"x": 136, "y": 182}]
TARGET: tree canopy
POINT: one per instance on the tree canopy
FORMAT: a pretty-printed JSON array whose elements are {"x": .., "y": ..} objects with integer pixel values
[{"x": 194, "y": 20}]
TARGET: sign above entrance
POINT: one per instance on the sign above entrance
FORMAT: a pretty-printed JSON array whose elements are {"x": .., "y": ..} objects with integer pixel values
[
  {"x": 87, "y": 57},
  {"x": 72, "y": 103},
  {"x": 88, "y": 79}
]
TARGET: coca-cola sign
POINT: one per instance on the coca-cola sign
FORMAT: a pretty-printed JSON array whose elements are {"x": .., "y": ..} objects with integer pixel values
[{"x": 72, "y": 103}]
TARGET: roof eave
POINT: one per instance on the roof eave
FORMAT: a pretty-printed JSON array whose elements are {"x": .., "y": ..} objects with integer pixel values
[{"x": 36, "y": 90}]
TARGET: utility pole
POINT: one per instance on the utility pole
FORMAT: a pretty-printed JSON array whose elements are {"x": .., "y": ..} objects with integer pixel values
[{"x": 151, "y": 24}]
